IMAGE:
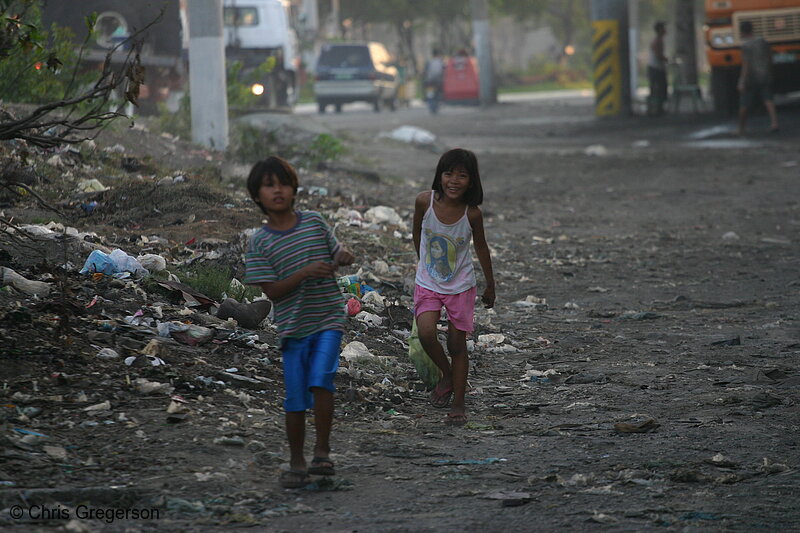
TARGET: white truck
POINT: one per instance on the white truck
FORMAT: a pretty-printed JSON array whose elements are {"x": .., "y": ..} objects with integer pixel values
[{"x": 255, "y": 30}]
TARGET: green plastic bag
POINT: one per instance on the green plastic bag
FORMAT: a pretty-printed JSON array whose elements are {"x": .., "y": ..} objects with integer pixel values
[{"x": 428, "y": 372}]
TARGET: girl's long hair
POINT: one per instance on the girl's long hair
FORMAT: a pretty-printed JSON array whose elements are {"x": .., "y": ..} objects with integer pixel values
[{"x": 460, "y": 157}]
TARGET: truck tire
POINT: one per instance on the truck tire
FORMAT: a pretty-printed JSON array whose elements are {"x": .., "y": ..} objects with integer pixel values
[{"x": 724, "y": 90}]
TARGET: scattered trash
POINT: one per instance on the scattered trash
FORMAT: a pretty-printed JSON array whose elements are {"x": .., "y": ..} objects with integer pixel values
[
  {"x": 248, "y": 316},
  {"x": 510, "y": 498},
  {"x": 491, "y": 339},
  {"x": 373, "y": 301},
  {"x": 56, "y": 452},
  {"x": 384, "y": 215},
  {"x": 144, "y": 360},
  {"x": 487, "y": 461},
  {"x": 192, "y": 297},
  {"x": 146, "y": 386},
  {"x": 370, "y": 319},
  {"x": 721, "y": 461},
  {"x": 355, "y": 351},
  {"x": 190, "y": 334},
  {"x": 353, "y": 307},
  {"x": 30, "y": 287},
  {"x": 640, "y": 315},
  {"x": 411, "y": 134},
  {"x": 318, "y": 191},
  {"x": 428, "y": 372},
  {"x": 103, "y": 406},
  {"x": 532, "y": 301},
  {"x": 642, "y": 427},
  {"x": 731, "y": 341},
  {"x": 597, "y": 289},
  {"x": 769, "y": 467},
  {"x": 152, "y": 262},
  {"x": 730, "y": 236},
  {"x": 91, "y": 185},
  {"x": 597, "y": 150},
  {"x": 112, "y": 264},
  {"x": 107, "y": 353},
  {"x": 230, "y": 441},
  {"x": 602, "y": 518},
  {"x": 89, "y": 207}
]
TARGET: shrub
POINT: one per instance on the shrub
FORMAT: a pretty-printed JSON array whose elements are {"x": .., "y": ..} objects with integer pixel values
[{"x": 36, "y": 66}]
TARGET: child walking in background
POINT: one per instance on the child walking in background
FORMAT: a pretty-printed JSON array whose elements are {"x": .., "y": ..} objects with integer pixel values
[
  {"x": 446, "y": 219},
  {"x": 293, "y": 258}
]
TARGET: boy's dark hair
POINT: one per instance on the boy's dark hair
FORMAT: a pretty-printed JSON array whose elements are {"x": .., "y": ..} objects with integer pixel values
[
  {"x": 746, "y": 27},
  {"x": 274, "y": 166},
  {"x": 659, "y": 26},
  {"x": 459, "y": 157}
]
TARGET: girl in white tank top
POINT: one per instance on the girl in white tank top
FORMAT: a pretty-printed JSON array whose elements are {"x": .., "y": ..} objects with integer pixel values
[{"x": 446, "y": 219}]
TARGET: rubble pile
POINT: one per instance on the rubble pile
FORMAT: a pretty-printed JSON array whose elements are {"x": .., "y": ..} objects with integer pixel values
[{"x": 104, "y": 337}]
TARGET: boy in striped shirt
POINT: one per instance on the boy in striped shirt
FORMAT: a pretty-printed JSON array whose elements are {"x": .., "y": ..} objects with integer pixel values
[{"x": 293, "y": 258}]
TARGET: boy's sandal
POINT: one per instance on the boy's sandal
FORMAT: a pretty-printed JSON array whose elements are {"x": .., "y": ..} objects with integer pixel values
[
  {"x": 321, "y": 466},
  {"x": 294, "y": 479},
  {"x": 441, "y": 397}
]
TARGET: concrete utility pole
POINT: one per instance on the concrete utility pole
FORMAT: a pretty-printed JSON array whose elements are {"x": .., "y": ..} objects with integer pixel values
[
  {"x": 633, "y": 46},
  {"x": 483, "y": 49},
  {"x": 310, "y": 32},
  {"x": 207, "y": 74},
  {"x": 610, "y": 52},
  {"x": 333, "y": 22},
  {"x": 686, "y": 41}
]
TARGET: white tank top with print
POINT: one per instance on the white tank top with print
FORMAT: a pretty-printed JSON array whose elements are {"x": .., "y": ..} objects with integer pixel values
[{"x": 445, "y": 258}]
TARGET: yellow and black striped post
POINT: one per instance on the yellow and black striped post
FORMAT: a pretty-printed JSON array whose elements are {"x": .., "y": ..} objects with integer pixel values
[
  {"x": 610, "y": 57},
  {"x": 607, "y": 72}
]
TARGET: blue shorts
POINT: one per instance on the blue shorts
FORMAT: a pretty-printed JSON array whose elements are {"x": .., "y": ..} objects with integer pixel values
[{"x": 309, "y": 362}]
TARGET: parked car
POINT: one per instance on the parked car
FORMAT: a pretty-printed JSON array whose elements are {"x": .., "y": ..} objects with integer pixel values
[{"x": 355, "y": 72}]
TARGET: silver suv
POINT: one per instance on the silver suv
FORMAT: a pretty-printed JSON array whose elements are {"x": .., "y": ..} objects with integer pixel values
[{"x": 355, "y": 72}]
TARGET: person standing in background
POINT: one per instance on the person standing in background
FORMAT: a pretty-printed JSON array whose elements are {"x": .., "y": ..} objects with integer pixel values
[
  {"x": 657, "y": 70},
  {"x": 755, "y": 79}
]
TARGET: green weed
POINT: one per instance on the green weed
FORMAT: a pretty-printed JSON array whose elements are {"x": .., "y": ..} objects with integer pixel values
[{"x": 214, "y": 281}]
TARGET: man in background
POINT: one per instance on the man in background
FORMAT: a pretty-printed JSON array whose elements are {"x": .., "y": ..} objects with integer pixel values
[{"x": 755, "y": 80}]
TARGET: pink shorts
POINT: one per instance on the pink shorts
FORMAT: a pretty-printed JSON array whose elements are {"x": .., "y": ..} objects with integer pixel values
[{"x": 460, "y": 307}]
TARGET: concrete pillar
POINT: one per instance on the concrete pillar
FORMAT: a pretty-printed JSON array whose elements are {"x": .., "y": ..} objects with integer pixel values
[
  {"x": 610, "y": 57},
  {"x": 633, "y": 47},
  {"x": 686, "y": 41},
  {"x": 207, "y": 82},
  {"x": 483, "y": 50}
]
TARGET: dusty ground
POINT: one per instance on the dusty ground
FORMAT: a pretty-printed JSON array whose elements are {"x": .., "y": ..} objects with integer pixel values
[{"x": 656, "y": 280}]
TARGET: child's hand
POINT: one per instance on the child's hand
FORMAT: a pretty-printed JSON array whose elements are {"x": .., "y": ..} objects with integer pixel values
[
  {"x": 343, "y": 258},
  {"x": 488, "y": 297},
  {"x": 319, "y": 269}
]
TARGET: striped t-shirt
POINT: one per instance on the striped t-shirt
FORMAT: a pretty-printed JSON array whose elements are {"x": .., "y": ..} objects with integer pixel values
[{"x": 314, "y": 305}]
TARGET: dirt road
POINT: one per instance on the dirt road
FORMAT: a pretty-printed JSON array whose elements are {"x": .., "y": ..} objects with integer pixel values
[
  {"x": 647, "y": 378},
  {"x": 668, "y": 263}
]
